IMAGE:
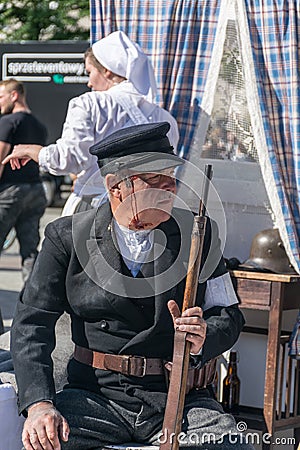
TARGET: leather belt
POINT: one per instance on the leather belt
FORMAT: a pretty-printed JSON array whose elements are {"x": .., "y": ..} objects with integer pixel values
[{"x": 136, "y": 366}]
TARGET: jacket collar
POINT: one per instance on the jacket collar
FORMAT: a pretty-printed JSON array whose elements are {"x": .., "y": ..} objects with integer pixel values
[{"x": 104, "y": 253}]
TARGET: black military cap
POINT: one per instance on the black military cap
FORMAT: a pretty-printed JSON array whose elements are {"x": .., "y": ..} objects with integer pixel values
[{"x": 142, "y": 148}]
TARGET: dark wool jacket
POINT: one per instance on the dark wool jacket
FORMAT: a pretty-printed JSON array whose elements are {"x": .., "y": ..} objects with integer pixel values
[{"x": 79, "y": 270}]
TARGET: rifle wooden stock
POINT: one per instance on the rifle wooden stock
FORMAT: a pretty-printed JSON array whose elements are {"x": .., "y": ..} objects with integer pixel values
[{"x": 181, "y": 353}]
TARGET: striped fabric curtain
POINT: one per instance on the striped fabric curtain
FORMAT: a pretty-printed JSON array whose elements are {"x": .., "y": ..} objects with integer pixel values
[
  {"x": 178, "y": 36},
  {"x": 275, "y": 46}
]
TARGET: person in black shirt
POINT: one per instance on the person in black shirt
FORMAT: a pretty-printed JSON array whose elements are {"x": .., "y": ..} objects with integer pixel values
[{"x": 22, "y": 197}]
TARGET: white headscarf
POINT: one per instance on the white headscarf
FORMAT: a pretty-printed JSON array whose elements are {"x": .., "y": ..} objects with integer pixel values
[{"x": 116, "y": 52}]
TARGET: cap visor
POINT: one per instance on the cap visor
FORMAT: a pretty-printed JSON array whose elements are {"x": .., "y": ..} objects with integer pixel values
[{"x": 143, "y": 163}]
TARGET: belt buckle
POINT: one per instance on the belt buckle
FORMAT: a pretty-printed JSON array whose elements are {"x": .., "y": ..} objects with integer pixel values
[
  {"x": 131, "y": 363},
  {"x": 143, "y": 366}
]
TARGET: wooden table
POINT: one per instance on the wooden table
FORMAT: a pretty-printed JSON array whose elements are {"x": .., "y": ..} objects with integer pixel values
[{"x": 274, "y": 293}]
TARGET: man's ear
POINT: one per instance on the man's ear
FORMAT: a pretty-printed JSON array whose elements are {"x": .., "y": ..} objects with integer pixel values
[
  {"x": 14, "y": 96},
  {"x": 112, "y": 185}
]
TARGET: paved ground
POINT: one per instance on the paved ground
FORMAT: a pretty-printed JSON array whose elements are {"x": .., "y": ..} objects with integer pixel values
[{"x": 10, "y": 272}]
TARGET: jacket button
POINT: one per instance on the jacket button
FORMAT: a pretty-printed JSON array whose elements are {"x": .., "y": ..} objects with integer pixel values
[{"x": 104, "y": 325}]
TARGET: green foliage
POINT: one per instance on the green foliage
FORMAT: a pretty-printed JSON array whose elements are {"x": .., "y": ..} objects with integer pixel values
[{"x": 44, "y": 20}]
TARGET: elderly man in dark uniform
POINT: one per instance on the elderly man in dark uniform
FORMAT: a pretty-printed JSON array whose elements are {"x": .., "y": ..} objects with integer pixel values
[{"x": 120, "y": 274}]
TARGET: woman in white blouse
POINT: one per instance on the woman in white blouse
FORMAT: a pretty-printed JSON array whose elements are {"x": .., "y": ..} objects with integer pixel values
[{"x": 123, "y": 87}]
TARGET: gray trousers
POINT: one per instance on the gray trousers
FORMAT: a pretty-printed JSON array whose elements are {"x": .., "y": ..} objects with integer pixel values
[
  {"x": 96, "y": 421},
  {"x": 21, "y": 207}
]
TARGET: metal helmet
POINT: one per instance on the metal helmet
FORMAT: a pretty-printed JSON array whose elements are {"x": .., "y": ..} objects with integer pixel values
[{"x": 268, "y": 253}]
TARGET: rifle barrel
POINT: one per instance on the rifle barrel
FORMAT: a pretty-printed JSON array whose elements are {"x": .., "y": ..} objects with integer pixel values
[{"x": 208, "y": 176}]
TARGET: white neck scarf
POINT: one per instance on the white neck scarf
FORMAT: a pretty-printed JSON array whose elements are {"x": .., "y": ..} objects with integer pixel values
[{"x": 134, "y": 246}]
